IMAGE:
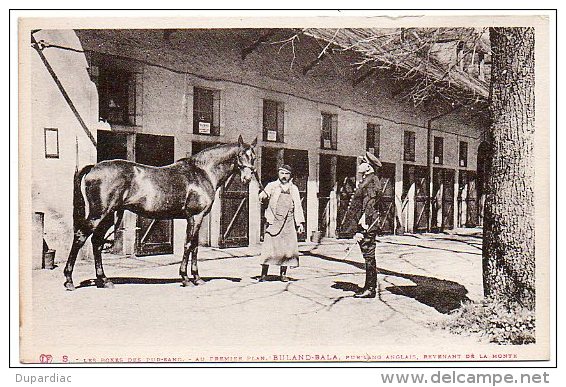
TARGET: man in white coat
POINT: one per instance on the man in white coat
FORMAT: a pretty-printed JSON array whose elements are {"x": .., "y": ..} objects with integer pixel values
[{"x": 284, "y": 217}]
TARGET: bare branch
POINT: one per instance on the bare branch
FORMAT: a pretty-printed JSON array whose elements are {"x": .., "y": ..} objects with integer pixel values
[{"x": 425, "y": 60}]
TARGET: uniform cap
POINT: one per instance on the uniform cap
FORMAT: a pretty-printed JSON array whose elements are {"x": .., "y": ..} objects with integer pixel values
[{"x": 372, "y": 160}]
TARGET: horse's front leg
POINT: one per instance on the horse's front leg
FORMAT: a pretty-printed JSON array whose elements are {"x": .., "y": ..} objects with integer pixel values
[
  {"x": 194, "y": 263},
  {"x": 194, "y": 249}
]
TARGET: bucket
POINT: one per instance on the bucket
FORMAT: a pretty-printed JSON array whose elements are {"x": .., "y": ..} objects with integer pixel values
[
  {"x": 49, "y": 259},
  {"x": 316, "y": 236}
]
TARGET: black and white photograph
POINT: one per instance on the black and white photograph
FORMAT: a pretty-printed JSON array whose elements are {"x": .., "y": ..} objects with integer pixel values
[{"x": 284, "y": 190}]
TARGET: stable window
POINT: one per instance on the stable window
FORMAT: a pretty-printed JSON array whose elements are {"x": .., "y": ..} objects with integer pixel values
[
  {"x": 116, "y": 95},
  {"x": 273, "y": 120},
  {"x": 372, "y": 138},
  {"x": 206, "y": 112},
  {"x": 438, "y": 151},
  {"x": 328, "y": 135},
  {"x": 463, "y": 159},
  {"x": 409, "y": 146}
]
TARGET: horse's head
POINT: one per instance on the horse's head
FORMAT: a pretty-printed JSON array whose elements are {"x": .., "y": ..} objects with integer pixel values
[{"x": 246, "y": 160}]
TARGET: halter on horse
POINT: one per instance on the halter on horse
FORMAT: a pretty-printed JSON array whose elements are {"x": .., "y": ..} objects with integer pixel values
[{"x": 183, "y": 190}]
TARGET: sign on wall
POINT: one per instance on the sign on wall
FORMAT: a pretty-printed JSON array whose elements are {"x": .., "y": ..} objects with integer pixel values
[
  {"x": 51, "y": 143},
  {"x": 204, "y": 127},
  {"x": 271, "y": 135}
]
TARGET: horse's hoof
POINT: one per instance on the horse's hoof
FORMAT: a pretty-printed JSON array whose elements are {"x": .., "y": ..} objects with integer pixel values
[
  {"x": 69, "y": 286},
  {"x": 108, "y": 285},
  {"x": 104, "y": 284},
  {"x": 199, "y": 281},
  {"x": 187, "y": 283}
]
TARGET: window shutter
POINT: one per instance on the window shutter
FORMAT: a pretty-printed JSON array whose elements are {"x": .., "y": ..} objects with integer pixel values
[
  {"x": 137, "y": 93},
  {"x": 409, "y": 145},
  {"x": 463, "y": 159},
  {"x": 131, "y": 99},
  {"x": 376, "y": 143},
  {"x": 412, "y": 145},
  {"x": 196, "y": 109},
  {"x": 372, "y": 138},
  {"x": 264, "y": 127},
  {"x": 280, "y": 121},
  {"x": 369, "y": 137},
  {"x": 438, "y": 152},
  {"x": 321, "y": 125},
  {"x": 216, "y": 112},
  {"x": 334, "y": 131}
]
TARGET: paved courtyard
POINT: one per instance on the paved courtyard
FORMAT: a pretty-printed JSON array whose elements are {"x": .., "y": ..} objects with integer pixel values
[{"x": 421, "y": 278}]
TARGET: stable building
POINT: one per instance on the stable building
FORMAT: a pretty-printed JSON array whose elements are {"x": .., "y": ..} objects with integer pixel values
[{"x": 155, "y": 96}]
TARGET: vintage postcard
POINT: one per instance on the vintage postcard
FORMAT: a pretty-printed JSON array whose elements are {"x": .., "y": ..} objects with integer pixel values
[{"x": 284, "y": 189}]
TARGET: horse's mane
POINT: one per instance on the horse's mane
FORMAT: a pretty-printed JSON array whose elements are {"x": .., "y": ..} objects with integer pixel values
[{"x": 204, "y": 156}]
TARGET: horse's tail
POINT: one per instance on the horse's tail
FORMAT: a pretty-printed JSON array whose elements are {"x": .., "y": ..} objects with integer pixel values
[{"x": 78, "y": 199}]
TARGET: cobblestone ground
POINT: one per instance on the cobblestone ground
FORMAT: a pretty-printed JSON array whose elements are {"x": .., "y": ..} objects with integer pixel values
[{"x": 421, "y": 278}]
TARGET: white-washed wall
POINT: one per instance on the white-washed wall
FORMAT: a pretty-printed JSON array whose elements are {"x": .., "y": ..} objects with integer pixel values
[{"x": 52, "y": 178}]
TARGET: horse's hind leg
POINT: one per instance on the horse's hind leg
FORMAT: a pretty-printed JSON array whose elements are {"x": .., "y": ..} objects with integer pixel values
[
  {"x": 79, "y": 239},
  {"x": 98, "y": 239},
  {"x": 191, "y": 247},
  {"x": 186, "y": 253}
]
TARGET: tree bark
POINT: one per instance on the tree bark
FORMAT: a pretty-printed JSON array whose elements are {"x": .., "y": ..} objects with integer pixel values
[{"x": 509, "y": 244}]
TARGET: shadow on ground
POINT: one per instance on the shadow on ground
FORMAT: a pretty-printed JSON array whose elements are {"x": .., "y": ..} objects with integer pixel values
[
  {"x": 346, "y": 286},
  {"x": 436, "y": 247},
  {"x": 442, "y": 295},
  {"x": 478, "y": 234},
  {"x": 273, "y": 278},
  {"x": 150, "y": 281}
]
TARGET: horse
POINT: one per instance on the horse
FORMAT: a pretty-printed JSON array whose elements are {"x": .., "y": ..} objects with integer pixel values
[{"x": 183, "y": 190}]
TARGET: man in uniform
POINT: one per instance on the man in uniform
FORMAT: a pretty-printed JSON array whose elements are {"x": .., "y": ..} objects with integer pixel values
[{"x": 362, "y": 218}]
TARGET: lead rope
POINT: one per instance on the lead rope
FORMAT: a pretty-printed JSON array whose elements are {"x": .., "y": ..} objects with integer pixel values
[{"x": 261, "y": 187}]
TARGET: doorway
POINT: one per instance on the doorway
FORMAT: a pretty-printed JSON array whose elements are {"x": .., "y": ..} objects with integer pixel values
[{"x": 154, "y": 236}]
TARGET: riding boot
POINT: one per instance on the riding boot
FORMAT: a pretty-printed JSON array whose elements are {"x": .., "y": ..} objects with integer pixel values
[
  {"x": 264, "y": 269},
  {"x": 371, "y": 281},
  {"x": 366, "y": 282},
  {"x": 368, "y": 251},
  {"x": 284, "y": 274}
]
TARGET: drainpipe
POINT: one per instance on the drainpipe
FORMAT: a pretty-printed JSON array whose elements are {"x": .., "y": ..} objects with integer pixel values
[{"x": 429, "y": 162}]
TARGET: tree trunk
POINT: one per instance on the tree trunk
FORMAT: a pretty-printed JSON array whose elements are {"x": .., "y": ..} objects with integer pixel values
[{"x": 509, "y": 244}]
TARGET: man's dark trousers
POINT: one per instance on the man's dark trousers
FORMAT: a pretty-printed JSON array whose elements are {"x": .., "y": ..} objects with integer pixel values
[{"x": 367, "y": 245}]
